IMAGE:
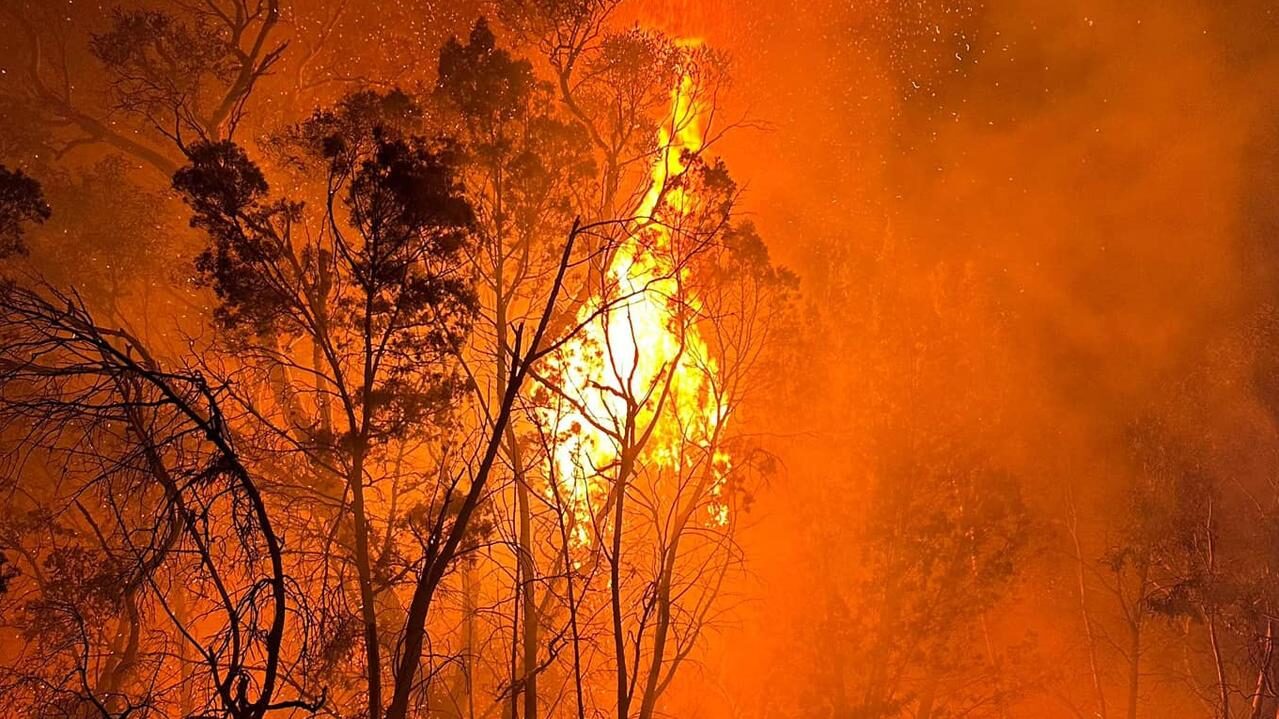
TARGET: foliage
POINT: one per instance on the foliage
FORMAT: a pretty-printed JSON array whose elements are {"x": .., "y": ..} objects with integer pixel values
[{"x": 21, "y": 203}]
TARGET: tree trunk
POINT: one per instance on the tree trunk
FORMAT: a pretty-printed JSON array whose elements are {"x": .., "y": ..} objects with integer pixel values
[
  {"x": 1223, "y": 685},
  {"x": 526, "y": 681},
  {"x": 440, "y": 557},
  {"x": 1134, "y": 663},
  {"x": 528, "y": 571},
  {"x": 364, "y": 568},
  {"x": 1264, "y": 703},
  {"x": 615, "y": 581},
  {"x": 469, "y": 592},
  {"x": 1082, "y": 583},
  {"x": 662, "y": 630}
]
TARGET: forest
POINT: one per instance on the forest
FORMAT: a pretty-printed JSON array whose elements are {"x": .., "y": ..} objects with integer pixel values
[{"x": 639, "y": 359}]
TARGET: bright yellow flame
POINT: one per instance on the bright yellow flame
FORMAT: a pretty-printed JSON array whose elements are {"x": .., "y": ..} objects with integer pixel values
[{"x": 634, "y": 343}]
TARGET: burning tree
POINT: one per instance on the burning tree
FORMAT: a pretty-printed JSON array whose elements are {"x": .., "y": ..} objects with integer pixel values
[
  {"x": 469, "y": 399},
  {"x": 633, "y": 408}
]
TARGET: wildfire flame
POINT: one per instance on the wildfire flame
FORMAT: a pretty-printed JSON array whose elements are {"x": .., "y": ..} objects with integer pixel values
[{"x": 640, "y": 349}]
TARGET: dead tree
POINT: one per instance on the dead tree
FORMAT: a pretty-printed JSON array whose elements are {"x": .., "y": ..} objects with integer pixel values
[{"x": 172, "y": 501}]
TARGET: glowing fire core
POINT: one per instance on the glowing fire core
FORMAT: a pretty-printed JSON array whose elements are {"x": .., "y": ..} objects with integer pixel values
[{"x": 640, "y": 362}]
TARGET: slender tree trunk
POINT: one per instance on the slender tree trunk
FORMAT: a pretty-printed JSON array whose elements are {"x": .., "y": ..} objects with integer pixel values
[
  {"x": 615, "y": 585},
  {"x": 320, "y": 307},
  {"x": 574, "y": 630},
  {"x": 440, "y": 556},
  {"x": 662, "y": 629},
  {"x": 284, "y": 393},
  {"x": 562, "y": 518},
  {"x": 1135, "y": 622},
  {"x": 1090, "y": 634},
  {"x": 513, "y": 667},
  {"x": 364, "y": 568},
  {"x": 1210, "y": 616},
  {"x": 993, "y": 660},
  {"x": 121, "y": 658},
  {"x": 186, "y": 696},
  {"x": 528, "y": 576},
  {"x": 468, "y": 640},
  {"x": 1264, "y": 705},
  {"x": 527, "y": 670},
  {"x": 1134, "y": 668},
  {"x": 1223, "y": 686},
  {"x": 444, "y": 547}
]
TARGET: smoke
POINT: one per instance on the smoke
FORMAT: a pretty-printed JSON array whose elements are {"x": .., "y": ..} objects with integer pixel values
[
  {"x": 1081, "y": 195},
  {"x": 1022, "y": 228}
]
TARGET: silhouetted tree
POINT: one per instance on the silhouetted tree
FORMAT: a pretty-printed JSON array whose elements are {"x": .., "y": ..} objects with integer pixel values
[
  {"x": 526, "y": 170},
  {"x": 159, "y": 495},
  {"x": 379, "y": 290},
  {"x": 21, "y": 203}
]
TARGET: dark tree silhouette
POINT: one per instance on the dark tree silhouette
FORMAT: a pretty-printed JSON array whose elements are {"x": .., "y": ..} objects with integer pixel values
[
  {"x": 21, "y": 203},
  {"x": 162, "y": 495}
]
